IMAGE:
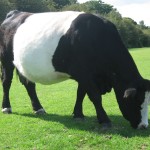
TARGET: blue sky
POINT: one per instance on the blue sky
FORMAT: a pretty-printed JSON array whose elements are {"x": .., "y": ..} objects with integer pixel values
[{"x": 136, "y": 9}]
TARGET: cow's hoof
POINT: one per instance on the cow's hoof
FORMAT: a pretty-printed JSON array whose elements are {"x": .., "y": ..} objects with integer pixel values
[
  {"x": 106, "y": 126},
  {"x": 78, "y": 115},
  {"x": 41, "y": 111},
  {"x": 79, "y": 119},
  {"x": 7, "y": 110}
]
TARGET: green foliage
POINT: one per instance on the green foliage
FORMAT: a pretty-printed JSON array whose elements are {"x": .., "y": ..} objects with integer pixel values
[
  {"x": 142, "y": 25},
  {"x": 130, "y": 33},
  {"x": 73, "y": 1},
  {"x": 5, "y": 6},
  {"x": 56, "y": 130},
  {"x": 61, "y": 3},
  {"x": 133, "y": 34},
  {"x": 41, "y": 5},
  {"x": 97, "y": 7},
  {"x": 74, "y": 7},
  {"x": 146, "y": 37},
  {"x": 31, "y": 5}
]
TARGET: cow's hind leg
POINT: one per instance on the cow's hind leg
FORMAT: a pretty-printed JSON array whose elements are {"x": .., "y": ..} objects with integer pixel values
[
  {"x": 7, "y": 75},
  {"x": 31, "y": 89},
  {"x": 78, "y": 112}
]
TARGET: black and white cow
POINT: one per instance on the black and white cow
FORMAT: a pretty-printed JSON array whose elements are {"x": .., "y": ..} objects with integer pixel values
[{"x": 55, "y": 46}]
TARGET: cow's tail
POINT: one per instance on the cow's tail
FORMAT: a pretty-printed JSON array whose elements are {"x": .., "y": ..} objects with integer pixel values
[{"x": 1, "y": 50}]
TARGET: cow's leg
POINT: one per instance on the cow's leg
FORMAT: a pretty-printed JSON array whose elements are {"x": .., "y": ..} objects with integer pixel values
[
  {"x": 95, "y": 97},
  {"x": 31, "y": 89},
  {"x": 101, "y": 114},
  {"x": 78, "y": 112},
  {"x": 7, "y": 75}
]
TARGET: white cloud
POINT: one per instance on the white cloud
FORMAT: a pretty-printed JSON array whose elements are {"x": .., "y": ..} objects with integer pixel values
[
  {"x": 137, "y": 12},
  {"x": 125, "y": 2}
]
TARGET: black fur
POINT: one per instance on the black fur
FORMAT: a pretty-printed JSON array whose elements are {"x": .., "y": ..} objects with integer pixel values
[
  {"x": 8, "y": 28},
  {"x": 92, "y": 53}
]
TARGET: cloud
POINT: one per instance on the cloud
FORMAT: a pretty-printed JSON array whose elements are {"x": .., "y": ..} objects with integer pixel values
[
  {"x": 119, "y": 2},
  {"x": 136, "y": 9},
  {"x": 124, "y": 2}
]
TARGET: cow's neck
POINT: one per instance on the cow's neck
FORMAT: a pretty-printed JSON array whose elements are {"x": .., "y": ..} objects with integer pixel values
[
  {"x": 126, "y": 75},
  {"x": 125, "y": 68}
]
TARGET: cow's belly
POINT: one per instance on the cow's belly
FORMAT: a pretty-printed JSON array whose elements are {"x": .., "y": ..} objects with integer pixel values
[
  {"x": 36, "y": 65},
  {"x": 34, "y": 47},
  {"x": 33, "y": 58}
]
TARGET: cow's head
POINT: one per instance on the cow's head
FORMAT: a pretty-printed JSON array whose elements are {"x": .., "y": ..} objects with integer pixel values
[
  {"x": 134, "y": 104},
  {"x": 9, "y": 17},
  {"x": 12, "y": 13}
]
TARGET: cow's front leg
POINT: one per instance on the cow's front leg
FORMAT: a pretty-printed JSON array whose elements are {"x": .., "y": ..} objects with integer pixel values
[
  {"x": 101, "y": 114},
  {"x": 78, "y": 112},
  {"x": 95, "y": 97},
  {"x": 31, "y": 89}
]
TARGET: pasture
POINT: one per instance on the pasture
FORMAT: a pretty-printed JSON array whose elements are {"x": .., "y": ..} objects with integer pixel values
[{"x": 56, "y": 130}]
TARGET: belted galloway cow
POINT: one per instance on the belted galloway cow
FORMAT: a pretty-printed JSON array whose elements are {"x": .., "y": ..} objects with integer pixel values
[{"x": 51, "y": 47}]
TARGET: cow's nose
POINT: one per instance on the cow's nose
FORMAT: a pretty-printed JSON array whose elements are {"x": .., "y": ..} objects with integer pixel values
[{"x": 142, "y": 126}]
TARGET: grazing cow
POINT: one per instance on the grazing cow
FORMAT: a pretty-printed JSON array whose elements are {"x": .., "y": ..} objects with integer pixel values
[{"x": 55, "y": 46}]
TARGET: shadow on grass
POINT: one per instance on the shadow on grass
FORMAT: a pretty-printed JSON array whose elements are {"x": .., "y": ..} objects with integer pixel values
[
  {"x": 137, "y": 49},
  {"x": 120, "y": 126},
  {"x": 134, "y": 49}
]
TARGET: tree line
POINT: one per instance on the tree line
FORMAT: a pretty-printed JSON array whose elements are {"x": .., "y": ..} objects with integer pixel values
[{"x": 133, "y": 34}]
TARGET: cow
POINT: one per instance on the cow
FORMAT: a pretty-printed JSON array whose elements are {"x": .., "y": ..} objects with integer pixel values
[{"x": 52, "y": 47}]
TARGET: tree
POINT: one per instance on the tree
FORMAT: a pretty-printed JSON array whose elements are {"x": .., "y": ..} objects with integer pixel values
[
  {"x": 146, "y": 38},
  {"x": 5, "y": 7},
  {"x": 133, "y": 34},
  {"x": 115, "y": 17},
  {"x": 73, "y": 2},
  {"x": 31, "y": 6},
  {"x": 130, "y": 33},
  {"x": 142, "y": 25},
  {"x": 96, "y": 7},
  {"x": 61, "y": 3},
  {"x": 74, "y": 7}
]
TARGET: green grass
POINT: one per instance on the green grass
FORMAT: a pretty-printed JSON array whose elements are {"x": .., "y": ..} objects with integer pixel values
[{"x": 56, "y": 130}]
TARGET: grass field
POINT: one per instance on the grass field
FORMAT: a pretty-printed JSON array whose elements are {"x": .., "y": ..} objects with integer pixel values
[{"x": 56, "y": 130}]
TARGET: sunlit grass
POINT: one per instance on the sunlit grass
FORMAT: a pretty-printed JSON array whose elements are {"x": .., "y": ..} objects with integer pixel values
[{"x": 56, "y": 130}]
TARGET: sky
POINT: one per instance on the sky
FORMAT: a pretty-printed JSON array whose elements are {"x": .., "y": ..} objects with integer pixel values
[{"x": 136, "y": 9}]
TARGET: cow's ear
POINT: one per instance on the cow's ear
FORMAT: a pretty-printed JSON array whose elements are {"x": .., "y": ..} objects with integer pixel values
[{"x": 130, "y": 92}]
